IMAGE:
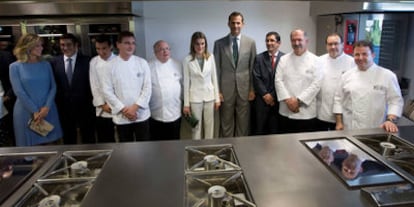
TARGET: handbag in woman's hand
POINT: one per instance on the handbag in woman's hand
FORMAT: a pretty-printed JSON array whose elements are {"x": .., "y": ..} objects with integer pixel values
[
  {"x": 42, "y": 128},
  {"x": 192, "y": 120}
]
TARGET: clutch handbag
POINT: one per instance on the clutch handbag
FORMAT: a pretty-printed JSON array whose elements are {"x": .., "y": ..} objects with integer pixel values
[
  {"x": 192, "y": 120},
  {"x": 408, "y": 111},
  {"x": 42, "y": 128}
]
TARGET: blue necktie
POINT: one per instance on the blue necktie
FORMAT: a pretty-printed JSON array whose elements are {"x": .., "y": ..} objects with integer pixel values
[
  {"x": 235, "y": 51},
  {"x": 69, "y": 71}
]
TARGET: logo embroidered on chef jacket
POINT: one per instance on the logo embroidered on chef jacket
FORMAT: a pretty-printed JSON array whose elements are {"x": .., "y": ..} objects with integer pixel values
[{"x": 379, "y": 87}]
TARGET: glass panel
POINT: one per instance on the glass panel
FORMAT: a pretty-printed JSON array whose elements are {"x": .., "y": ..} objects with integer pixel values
[
  {"x": 352, "y": 165},
  {"x": 16, "y": 169}
]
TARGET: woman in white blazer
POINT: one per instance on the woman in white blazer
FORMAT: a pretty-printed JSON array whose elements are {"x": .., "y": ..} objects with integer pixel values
[{"x": 201, "y": 94}]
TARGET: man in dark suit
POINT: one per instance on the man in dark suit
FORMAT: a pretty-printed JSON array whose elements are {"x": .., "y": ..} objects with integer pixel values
[
  {"x": 74, "y": 96},
  {"x": 266, "y": 104},
  {"x": 234, "y": 55},
  {"x": 7, "y": 134}
]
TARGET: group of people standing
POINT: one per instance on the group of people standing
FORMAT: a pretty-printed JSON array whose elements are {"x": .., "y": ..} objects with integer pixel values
[{"x": 127, "y": 97}]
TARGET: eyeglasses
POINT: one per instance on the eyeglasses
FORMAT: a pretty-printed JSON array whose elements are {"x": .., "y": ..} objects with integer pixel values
[{"x": 163, "y": 49}]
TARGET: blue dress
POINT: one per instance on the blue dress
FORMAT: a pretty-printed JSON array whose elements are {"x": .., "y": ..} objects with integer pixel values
[{"x": 35, "y": 87}]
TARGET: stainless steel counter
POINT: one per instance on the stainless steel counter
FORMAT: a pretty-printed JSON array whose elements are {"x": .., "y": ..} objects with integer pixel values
[{"x": 279, "y": 170}]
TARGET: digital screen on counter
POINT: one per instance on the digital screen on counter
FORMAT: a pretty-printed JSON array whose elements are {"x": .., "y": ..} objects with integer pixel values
[{"x": 352, "y": 165}]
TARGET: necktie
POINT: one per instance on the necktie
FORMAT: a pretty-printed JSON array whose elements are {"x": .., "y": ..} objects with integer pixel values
[
  {"x": 273, "y": 61},
  {"x": 69, "y": 72},
  {"x": 235, "y": 51}
]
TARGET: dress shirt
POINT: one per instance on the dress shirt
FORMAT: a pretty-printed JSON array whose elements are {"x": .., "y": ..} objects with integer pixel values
[
  {"x": 332, "y": 69},
  {"x": 166, "y": 81},
  {"x": 97, "y": 71},
  {"x": 128, "y": 82},
  {"x": 238, "y": 42},
  {"x": 298, "y": 76},
  {"x": 65, "y": 58},
  {"x": 273, "y": 60},
  {"x": 364, "y": 98}
]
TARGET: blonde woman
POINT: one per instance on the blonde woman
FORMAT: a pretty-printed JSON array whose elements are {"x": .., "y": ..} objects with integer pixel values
[
  {"x": 201, "y": 96},
  {"x": 34, "y": 85}
]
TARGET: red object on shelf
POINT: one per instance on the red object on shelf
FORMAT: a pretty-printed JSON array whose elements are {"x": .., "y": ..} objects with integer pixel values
[{"x": 350, "y": 35}]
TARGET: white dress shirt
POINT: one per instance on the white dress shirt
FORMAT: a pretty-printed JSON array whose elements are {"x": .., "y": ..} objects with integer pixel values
[
  {"x": 298, "y": 76},
  {"x": 238, "y": 42},
  {"x": 97, "y": 70},
  {"x": 73, "y": 58},
  {"x": 128, "y": 83},
  {"x": 332, "y": 69},
  {"x": 366, "y": 97},
  {"x": 166, "y": 80}
]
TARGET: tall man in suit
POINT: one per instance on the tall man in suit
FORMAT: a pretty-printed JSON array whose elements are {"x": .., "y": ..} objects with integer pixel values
[
  {"x": 266, "y": 104},
  {"x": 235, "y": 54},
  {"x": 74, "y": 96}
]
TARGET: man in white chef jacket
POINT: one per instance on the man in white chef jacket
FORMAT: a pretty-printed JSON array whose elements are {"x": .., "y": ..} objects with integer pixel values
[
  {"x": 166, "y": 98},
  {"x": 127, "y": 89},
  {"x": 334, "y": 63},
  {"x": 297, "y": 82},
  {"x": 369, "y": 95},
  {"x": 105, "y": 129}
]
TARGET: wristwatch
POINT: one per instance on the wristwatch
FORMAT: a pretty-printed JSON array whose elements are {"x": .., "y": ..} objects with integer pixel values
[{"x": 392, "y": 120}]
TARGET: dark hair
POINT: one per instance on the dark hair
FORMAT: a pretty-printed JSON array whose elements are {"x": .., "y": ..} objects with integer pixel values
[
  {"x": 104, "y": 38},
  {"x": 125, "y": 34},
  {"x": 364, "y": 43},
  {"x": 275, "y": 34},
  {"x": 235, "y": 14},
  {"x": 333, "y": 34},
  {"x": 72, "y": 37},
  {"x": 194, "y": 37}
]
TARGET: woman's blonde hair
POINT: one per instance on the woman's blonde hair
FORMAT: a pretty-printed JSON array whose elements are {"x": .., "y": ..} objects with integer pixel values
[{"x": 24, "y": 45}]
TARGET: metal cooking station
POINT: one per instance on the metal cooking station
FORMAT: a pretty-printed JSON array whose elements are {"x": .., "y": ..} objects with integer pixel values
[{"x": 276, "y": 170}]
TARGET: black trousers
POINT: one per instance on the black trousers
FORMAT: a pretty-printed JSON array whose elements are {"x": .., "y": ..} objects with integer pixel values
[
  {"x": 288, "y": 125},
  {"x": 266, "y": 117},
  {"x": 165, "y": 130},
  {"x": 325, "y": 126},
  {"x": 105, "y": 130},
  {"x": 71, "y": 121},
  {"x": 134, "y": 132}
]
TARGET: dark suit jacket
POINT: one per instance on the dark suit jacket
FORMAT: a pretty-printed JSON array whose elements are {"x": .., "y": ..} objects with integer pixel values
[
  {"x": 234, "y": 79},
  {"x": 77, "y": 97},
  {"x": 6, "y": 58},
  {"x": 264, "y": 74}
]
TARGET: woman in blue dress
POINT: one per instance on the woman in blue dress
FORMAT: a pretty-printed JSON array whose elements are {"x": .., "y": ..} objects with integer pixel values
[{"x": 34, "y": 85}]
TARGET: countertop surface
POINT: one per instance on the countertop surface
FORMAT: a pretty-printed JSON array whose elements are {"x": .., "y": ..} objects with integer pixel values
[{"x": 279, "y": 170}]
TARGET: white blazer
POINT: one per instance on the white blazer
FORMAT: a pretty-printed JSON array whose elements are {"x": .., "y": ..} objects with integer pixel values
[{"x": 200, "y": 86}]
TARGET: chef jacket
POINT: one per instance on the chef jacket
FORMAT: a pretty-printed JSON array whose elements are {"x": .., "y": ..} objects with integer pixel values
[
  {"x": 166, "y": 80},
  {"x": 298, "y": 76},
  {"x": 97, "y": 70},
  {"x": 366, "y": 97},
  {"x": 332, "y": 69},
  {"x": 128, "y": 83}
]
